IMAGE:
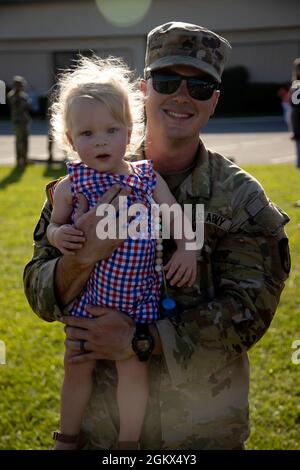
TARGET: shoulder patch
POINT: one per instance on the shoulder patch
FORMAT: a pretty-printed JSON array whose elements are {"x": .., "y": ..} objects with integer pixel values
[{"x": 41, "y": 228}]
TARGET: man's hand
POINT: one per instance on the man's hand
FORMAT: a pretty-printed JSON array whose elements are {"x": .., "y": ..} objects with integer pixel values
[
  {"x": 107, "y": 336},
  {"x": 95, "y": 249}
]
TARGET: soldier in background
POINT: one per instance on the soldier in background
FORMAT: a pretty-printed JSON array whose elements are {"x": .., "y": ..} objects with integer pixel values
[
  {"x": 199, "y": 370},
  {"x": 295, "y": 107},
  {"x": 19, "y": 103}
]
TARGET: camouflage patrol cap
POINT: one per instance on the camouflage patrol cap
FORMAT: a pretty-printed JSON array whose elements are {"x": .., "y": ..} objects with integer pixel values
[{"x": 177, "y": 43}]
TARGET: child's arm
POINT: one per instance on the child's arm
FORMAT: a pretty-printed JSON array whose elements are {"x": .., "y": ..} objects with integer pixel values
[
  {"x": 60, "y": 233},
  {"x": 182, "y": 267}
]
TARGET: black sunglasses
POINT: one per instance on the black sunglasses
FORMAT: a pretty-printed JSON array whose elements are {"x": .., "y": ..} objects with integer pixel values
[{"x": 169, "y": 82}]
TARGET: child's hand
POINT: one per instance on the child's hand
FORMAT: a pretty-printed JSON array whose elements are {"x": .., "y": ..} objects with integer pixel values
[
  {"x": 182, "y": 268},
  {"x": 68, "y": 239}
]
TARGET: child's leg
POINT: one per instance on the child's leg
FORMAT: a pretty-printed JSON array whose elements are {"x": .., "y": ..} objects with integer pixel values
[
  {"x": 132, "y": 394},
  {"x": 76, "y": 390}
]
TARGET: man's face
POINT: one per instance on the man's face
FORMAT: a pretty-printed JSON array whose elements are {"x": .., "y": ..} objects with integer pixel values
[{"x": 178, "y": 116}]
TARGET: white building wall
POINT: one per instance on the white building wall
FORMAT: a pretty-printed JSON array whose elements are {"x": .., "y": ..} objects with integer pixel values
[
  {"x": 34, "y": 59},
  {"x": 265, "y": 34},
  {"x": 35, "y": 66},
  {"x": 73, "y": 18}
]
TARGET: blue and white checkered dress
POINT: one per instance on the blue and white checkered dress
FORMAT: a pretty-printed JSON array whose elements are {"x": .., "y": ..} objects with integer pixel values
[{"x": 127, "y": 281}]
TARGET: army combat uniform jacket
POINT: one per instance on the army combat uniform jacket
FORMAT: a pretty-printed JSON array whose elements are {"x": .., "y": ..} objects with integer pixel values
[
  {"x": 20, "y": 107},
  {"x": 199, "y": 385}
]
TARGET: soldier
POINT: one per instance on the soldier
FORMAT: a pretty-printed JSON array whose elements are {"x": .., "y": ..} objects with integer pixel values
[
  {"x": 199, "y": 371},
  {"x": 295, "y": 107},
  {"x": 20, "y": 106}
]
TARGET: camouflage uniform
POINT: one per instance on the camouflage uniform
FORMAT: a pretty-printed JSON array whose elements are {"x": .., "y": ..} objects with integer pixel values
[
  {"x": 199, "y": 385},
  {"x": 201, "y": 381},
  {"x": 20, "y": 106}
]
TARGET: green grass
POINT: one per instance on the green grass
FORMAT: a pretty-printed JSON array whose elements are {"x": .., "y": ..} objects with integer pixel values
[{"x": 30, "y": 381}]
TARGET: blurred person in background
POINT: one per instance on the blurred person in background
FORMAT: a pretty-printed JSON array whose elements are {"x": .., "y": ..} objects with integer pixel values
[
  {"x": 20, "y": 106},
  {"x": 295, "y": 107},
  {"x": 284, "y": 95}
]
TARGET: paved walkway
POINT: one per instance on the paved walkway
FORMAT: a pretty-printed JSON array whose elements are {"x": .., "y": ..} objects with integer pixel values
[
  {"x": 251, "y": 140},
  {"x": 259, "y": 140}
]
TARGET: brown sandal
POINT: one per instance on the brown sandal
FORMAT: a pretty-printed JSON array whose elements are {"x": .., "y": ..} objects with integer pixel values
[
  {"x": 66, "y": 438},
  {"x": 79, "y": 439}
]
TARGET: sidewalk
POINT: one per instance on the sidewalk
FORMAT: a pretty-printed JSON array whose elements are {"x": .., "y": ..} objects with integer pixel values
[
  {"x": 258, "y": 140},
  {"x": 255, "y": 140},
  {"x": 38, "y": 143}
]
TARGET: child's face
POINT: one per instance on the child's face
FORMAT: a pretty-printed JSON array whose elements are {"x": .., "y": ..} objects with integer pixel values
[{"x": 96, "y": 136}]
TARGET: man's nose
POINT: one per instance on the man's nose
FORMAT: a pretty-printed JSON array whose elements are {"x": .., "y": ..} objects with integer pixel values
[{"x": 182, "y": 93}]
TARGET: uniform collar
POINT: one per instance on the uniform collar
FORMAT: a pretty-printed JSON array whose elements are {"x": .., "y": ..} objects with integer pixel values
[{"x": 198, "y": 182}]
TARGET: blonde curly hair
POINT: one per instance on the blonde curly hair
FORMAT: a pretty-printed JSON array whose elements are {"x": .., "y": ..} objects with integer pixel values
[{"x": 107, "y": 80}]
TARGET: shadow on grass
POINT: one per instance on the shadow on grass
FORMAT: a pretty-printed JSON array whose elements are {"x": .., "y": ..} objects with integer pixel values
[
  {"x": 55, "y": 170},
  {"x": 14, "y": 176}
]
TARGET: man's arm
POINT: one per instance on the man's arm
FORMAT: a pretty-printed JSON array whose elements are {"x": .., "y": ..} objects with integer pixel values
[
  {"x": 38, "y": 274},
  {"x": 249, "y": 269}
]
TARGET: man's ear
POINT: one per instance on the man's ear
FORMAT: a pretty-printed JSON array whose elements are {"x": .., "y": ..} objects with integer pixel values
[
  {"x": 216, "y": 97},
  {"x": 143, "y": 87}
]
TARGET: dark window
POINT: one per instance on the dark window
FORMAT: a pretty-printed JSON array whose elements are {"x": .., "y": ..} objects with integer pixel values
[{"x": 66, "y": 59}]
